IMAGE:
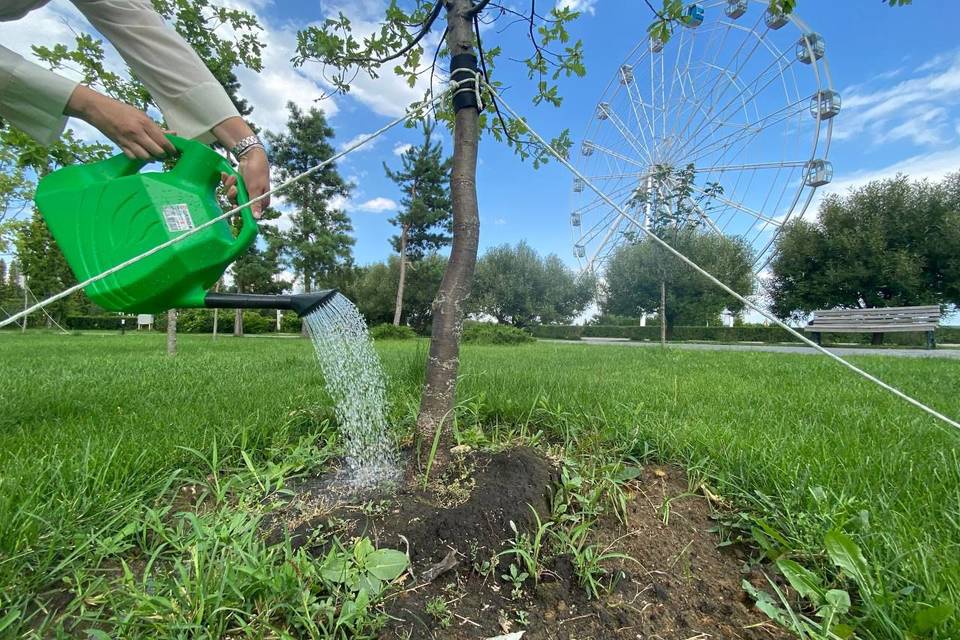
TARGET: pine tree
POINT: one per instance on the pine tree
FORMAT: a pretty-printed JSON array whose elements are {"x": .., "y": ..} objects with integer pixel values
[
  {"x": 319, "y": 241},
  {"x": 426, "y": 220}
]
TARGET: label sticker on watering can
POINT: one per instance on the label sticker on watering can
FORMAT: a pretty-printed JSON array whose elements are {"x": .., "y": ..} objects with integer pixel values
[{"x": 178, "y": 218}]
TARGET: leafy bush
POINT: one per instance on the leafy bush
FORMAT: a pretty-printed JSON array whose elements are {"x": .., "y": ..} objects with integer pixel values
[
  {"x": 387, "y": 331},
  {"x": 485, "y": 333},
  {"x": 291, "y": 323},
  {"x": 253, "y": 322},
  {"x": 109, "y": 323},
  {"x": 558, "y": 331},
  {"x": 199, "y": 321}
]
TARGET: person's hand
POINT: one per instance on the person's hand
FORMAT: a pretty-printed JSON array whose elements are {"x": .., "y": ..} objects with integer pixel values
[
  {"x": 255, "y": 170},
  {"x": 137, "y": 135}
]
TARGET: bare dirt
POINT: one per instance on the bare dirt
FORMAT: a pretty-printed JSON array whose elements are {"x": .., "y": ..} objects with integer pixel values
[{"x": 680, "y": 584}]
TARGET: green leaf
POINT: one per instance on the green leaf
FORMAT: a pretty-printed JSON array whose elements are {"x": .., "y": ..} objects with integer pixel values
[
  {"x": 627, "y": 473},
  {"x": 387, "y": 564},
  {"x": 926, "y": 620},
  {"x": 845, "y": 554},
  {"x": 806, "y": 583},
  {"x": 94, "y": 634},
  {"x": 12, "y": 616},
  {"x": 766, "y": 604},
  {"x": 839, "y": 601}
]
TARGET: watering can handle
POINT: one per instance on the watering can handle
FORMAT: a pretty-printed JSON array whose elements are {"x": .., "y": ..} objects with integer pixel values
[{"x": 248, "y": 227}]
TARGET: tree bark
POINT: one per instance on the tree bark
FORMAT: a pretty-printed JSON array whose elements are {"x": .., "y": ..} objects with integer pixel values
[
  {"x": 172, "y": 332},
  {"x": 306, "y": 289},
  {"x": 238, "y": 320},
  {"x": 439, "y": 390},
  {"x": 663, "y": 314},
  {"x": 398, "y": 309},
  {"x": 216, "y": 313}
]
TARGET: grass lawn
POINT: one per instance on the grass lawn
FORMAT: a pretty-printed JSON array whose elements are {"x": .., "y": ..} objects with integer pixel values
[{"x": 93, "y": 428}]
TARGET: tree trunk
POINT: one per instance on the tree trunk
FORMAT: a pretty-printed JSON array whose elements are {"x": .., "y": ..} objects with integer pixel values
[
  {"x": 398, "y": 309},
  {"x": 216, "y": 313},
  {"x": 26, "y": 303},
  {"x": 439, "y": 390},
  {"x": 306, "y": 289},
  {"x": 663, "y": 314},
  {"x": 238, "y": 319},
  {"x": 172, "y": 332}
]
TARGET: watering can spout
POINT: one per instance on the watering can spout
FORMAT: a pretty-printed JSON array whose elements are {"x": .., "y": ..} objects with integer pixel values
[{"x": 301, "y": 303}]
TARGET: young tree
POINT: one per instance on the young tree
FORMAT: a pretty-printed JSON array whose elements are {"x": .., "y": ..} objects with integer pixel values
[
  {"x": 636, "y": 272},
  {"x": 318, "y": 242},
  {"x": 425, "y": 221},
  {"x": 44, "y": 266},
  {"x": 888, "y": 243},
  {"x": 517, "y": 286},
  {"x": 334, "y": 44}
]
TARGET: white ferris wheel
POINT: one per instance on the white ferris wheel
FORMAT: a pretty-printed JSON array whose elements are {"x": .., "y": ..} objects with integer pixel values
[{"x": 741, "y": 99}]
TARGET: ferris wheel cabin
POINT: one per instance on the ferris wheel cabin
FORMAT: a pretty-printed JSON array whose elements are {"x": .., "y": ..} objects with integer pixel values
[
  {"x": 575, "y": 219},
  {"x": 578, "y": 185},
  {"x": 775, "y": 19},
  {"x": 586, "y": 149},
  {"x": 811, "y": 47},
  {"x": 825, "y": 104},
  {"x": 603, "y": 111},
  {"x": 818, "y": 173},
  {"x": 735, "y": 8},
  {"x": 626, "y": 74},
  {"x": 692, "y": 16},
  {"x": 579, "y": 251}
]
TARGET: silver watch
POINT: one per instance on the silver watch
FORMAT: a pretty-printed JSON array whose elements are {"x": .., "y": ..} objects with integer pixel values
[{"x": 244, "y": 145}]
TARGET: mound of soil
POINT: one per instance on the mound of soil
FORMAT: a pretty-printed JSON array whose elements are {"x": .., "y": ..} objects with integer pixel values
[{"x": 681, "y": 585}]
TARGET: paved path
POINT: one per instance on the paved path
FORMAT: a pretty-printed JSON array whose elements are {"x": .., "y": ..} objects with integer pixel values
[{"x": 774, "y": 348}]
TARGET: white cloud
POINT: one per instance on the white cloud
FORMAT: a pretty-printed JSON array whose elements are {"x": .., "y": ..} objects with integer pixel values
[
  {"x": 931, "y": 166},
  {"x": 582, "y": 6},
  {"x": 400, "y": 148},
  {"x": 377, "y": 205},
  {"x": 914, "y": 109},
  {"x": 357, "y": 138}
]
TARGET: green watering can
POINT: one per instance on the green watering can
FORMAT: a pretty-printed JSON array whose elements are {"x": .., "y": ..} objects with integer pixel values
[{"x": 104, "y": 213}]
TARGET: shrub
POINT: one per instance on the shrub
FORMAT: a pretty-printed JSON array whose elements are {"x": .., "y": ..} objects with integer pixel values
[
  {"x": 109, "y": 323},
  {"x": 253, "y": 322},
  {"x": 389, "y": 331},
  {"x": 291, "y": 323},
  {"x": 558, "y": 331},
  {"x": 485, "y": 333},
  {"x": 199, "y": 321}
]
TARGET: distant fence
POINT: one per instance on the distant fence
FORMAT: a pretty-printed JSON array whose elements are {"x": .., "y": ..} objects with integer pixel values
[{"x": 945, "y": 335}]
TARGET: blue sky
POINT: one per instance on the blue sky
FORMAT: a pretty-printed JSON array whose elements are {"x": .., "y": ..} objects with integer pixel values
[{"x": 897, "y": 70}]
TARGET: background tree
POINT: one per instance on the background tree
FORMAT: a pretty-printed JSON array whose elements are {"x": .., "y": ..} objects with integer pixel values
[
  {"x": 319, "y": 241},
  {"x": 517, "y": 286},
  {"x": 375, "y": 287},
  {"x": 398, "y": 44},
  {"x": 888, "y": 243},
  {"x": 635, "y": 272},
  {"x": 256, "y": 270},
  {"x": 426, "y": 220}
]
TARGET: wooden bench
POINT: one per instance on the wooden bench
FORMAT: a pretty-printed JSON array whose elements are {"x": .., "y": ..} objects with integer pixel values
[{"x": 876, "y": 321}]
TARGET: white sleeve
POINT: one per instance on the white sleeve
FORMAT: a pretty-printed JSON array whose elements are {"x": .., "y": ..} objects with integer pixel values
[
  {"x": 192, "y": 101},
  {"x": 32, "y": 98}
]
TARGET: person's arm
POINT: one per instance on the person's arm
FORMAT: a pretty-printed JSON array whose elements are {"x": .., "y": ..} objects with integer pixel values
[
  {"x": 193, "y": 102},
  {"x": 32, "y": 98}
]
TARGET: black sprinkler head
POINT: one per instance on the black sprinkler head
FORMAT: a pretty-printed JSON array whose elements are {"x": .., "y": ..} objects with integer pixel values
[{"x": 300, "y": 303}]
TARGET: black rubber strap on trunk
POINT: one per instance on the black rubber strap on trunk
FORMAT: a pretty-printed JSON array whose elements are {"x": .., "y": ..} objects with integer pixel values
[{"x": 463, "y": 69}]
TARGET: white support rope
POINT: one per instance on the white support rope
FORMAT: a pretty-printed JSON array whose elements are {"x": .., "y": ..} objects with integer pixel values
[
  {"x": 560, "y": 158},
  {"x": 160, "y": 247}
]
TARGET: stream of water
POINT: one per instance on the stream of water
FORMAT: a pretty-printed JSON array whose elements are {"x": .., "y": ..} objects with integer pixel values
[{"x": 357, "y": 385}]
